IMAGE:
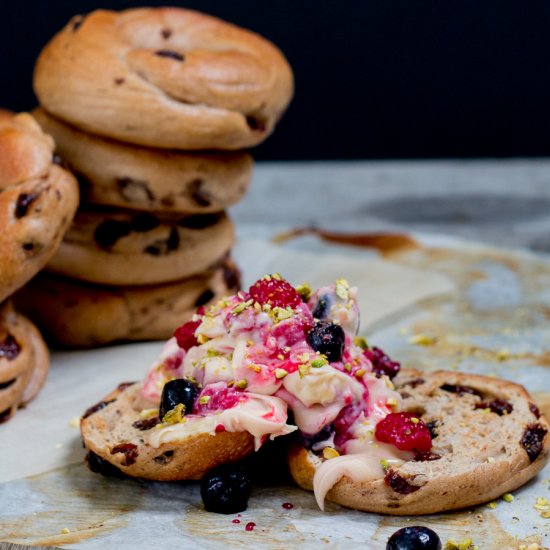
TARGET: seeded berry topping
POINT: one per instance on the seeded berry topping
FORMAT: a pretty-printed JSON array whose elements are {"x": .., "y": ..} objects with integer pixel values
[
  {"x": 274, "y": 291},
  {"x": 226, "y": 489},
  {"x": 404, "y": 430},
  {"x": 328, "y": 339},
  {"x": 381, "y": 363},
  {"x": 185, "y": 335},
  {"x": 532, "y": 440}
]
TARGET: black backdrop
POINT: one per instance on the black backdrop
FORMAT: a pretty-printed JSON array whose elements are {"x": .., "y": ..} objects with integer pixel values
[{"x": 374, "y": 79}]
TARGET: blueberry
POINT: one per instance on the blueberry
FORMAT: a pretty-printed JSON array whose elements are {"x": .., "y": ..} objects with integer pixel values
[
  {"x": 414, "y": 538},
  {"x": 226, "y": 489},
  {"x": 178, "y": 391},
  {"x": 322, "y": 307},
  {"x": 328, "y": 339}
]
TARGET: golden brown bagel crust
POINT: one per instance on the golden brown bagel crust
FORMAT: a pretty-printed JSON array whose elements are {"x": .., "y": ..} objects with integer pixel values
[
  {"x": 481, "y": 452},
  {"x": 129, "y": 176},
  {"x": 112, "y": 426},
  {"x": 24, "y": 361},
  {"x": 75, "y": 314},
  {"x": 164, "y": 77},
  {"x": 123, "y": 247},
  {"x": 37, "y": 203}
]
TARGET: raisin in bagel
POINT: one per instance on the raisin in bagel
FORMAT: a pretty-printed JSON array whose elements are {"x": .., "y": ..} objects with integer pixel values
[
  {"x": 489, "y": 438},
  {"x": 24, "y": 361},
  {"x": 75, "y": 314},
  {"x": 128, "y": 176},
  {"x": 37, "y": 203},
  {"x": 121, "y": 247},
  {"x": 164, "y": 77},
  {"x": 118, "y": 435}
]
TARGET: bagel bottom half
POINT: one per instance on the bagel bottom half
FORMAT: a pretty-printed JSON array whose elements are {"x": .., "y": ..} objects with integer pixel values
[
  {"x": 481, "y": 450},
  {"x": 114, "y": 430}
]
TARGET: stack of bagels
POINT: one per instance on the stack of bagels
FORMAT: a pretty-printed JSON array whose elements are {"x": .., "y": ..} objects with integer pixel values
[
  {"x": 38, "y": 200},
  {"x": 153, "y": 110}
]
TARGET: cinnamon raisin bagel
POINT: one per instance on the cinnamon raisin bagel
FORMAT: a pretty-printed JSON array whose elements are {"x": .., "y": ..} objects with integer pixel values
[
  {"x": 76, "y": 314},
  {"x": 129, "y": 176},
  {"x": 37, "y": 202},
  {"x": 124, "y": 247},
  {"x": 164, "y": 77},
  {"x": 489, "y": 438},
  {"x": 24, "y": 361}
]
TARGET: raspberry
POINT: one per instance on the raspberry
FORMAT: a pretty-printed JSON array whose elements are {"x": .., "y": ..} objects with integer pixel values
[
  {"x": 399, "y": 429},
  {"x": 185, "y": 335},
  {"x": 381, "y": 363},
  {"x": 217, "y": 397},
  {"x": 275, "y": 292}
]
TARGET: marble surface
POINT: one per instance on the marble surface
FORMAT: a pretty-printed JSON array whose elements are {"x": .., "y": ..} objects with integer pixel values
[{"x": 504, "y": 202}]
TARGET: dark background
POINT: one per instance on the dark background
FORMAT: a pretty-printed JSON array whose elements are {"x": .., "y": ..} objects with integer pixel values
[{"x": 374, "y": 79}]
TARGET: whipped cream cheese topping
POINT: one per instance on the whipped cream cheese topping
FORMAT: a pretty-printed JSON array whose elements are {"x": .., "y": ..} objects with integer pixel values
[{"x": 255, "y": 354}]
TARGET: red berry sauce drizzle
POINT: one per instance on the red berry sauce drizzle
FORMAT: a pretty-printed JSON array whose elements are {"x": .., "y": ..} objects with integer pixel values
[
  {"x": 288, "y": 505},
  {"x": 250, "y": 526}
]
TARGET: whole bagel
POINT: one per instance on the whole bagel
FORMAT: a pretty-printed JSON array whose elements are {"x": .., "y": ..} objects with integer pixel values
[
  {"x": 125, "y": 247},
  {"x": 38, "y": 200},
  {"x": 76, "y": 314},
  {"x": 141, "y": 178},
  {"x": 164, "y": 77}
]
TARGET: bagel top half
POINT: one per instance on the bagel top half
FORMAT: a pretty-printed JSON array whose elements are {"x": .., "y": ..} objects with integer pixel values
[{"x": 164, "y": 77}]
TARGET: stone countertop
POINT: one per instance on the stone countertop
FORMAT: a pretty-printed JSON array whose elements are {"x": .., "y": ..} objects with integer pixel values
[{"x": 502, "y": 202}]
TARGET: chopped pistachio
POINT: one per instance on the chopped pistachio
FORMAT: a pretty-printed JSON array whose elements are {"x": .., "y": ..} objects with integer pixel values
[
  {"x": 281, "y": 357},
  {"x": 466, "y": 544},
  {"x": 415, "y": 420},
  {"x": 361, "y": 342},
  {"x": 422, "y": 340},
  {"x": 385, "y": 463},
  {"x": 392, "y": 402},
  {"x": 330, "y": 452},
  {"x": 503, "y": 354},
  {"x": 304, "y": 290},
  {"x": 318, "y": 362},
  {"x": 347, "y": 366},
  {"x": 203, "y": 400},
  {"x": 65, "y": 531},
  {"x": 241, "y": 306},
  {"x": 342, "y": 289},
  {"x": 276, "y": 276},
  {"x": 492, "y": 505},
  {"x": 176, "y": 415},
  {"x": 304, "y": 357},
  {"x": 389, "y": 383},
  {"x": 213, "y": 353},
  {"x": 202, "y": 339},
  {"x": 257, "y": 306},
  {"x": 508, "y": 497},
  {"x": 242, "y": 384},
  {"x": 360, "y": 373},
  {"x": 280, "y": 373},
  {"x": 303, "y": 369},
  {"x": 74, "y": 422},
  {"x": 280, "y": 314}
]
